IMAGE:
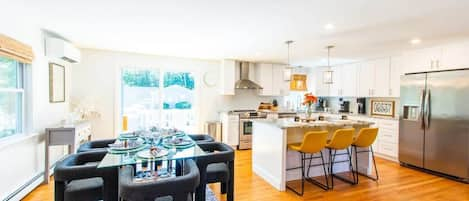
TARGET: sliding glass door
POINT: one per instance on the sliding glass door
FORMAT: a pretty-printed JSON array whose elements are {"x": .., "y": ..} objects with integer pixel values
[{"x": 150, "y": 97}]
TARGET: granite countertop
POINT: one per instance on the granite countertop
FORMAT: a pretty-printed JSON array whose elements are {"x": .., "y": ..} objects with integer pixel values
[{"x": 287, "y": 123}]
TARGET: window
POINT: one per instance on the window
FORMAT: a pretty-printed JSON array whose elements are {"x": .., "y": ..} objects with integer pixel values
[
  {"x": 11, "y": 97},
  {"x": 154, "y": 98}
]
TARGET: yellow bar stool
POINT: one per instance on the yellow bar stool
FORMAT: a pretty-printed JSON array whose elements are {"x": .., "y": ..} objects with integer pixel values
[
  {"x": 313, "y": 142},
  {"x": 341, "y": 139},
  {"x": 366, "y": 137}
]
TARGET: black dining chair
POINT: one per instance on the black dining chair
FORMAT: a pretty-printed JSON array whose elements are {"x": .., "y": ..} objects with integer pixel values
[
  {"x": 77, "y": 178},
  {"x": 180, "y": 188},
  {"x": 201, "y": 138},
  {"x": 96, "y": 145},
  {"x": 216, "y": 166}
]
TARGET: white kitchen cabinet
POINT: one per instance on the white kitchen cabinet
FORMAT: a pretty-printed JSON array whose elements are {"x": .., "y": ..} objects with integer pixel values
[
  {"x": 280, "y": 87},
  {"x": 422, "y": 60},
  {"x": 388, "y": 138},
  {"x": 454, "y": 56},
  {"x": 366, "y": 79},
  {"x": 395, "y": 73},
  {"x": 337, "y": 84},
  {"x": 381, "y": 86},
  {"x": 230, "y": 128},
  {"x": 318, "y": 76},
  {"x": 264, "y": 76},
  {"x": 344, "y": 81},
  {"x": 227, "y": 77},
  {"x": 349, "y": 80}
]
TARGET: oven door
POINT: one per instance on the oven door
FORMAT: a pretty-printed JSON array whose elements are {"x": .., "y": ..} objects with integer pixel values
[{"x": 245, "y": 134}]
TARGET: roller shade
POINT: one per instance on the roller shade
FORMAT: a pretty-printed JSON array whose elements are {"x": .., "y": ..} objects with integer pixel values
[{"x": 16, "y": 50}]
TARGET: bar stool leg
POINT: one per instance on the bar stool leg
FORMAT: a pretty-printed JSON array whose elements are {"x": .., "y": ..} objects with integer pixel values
[
  {"x": 302, "y": 177},
  {"x": 331, "y": 167},
  {"x": 324, "y": 168},
  {"x": 351, "y": 166},
  {"x": 356, "y": 164},
  {"x": 374, "y": 163}
]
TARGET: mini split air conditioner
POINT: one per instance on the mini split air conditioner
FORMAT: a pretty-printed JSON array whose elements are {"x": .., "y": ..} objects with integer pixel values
[{"x": 59, "y": 48}]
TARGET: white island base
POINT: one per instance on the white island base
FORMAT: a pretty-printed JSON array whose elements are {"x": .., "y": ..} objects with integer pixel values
[{"x": 271, "y": 158}]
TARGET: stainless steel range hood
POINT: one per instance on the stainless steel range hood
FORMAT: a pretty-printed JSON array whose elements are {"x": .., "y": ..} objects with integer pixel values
[{"x": 244, "y": 82}]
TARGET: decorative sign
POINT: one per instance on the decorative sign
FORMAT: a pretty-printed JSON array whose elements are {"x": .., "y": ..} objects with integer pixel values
[{"x": 382, "y": 108}]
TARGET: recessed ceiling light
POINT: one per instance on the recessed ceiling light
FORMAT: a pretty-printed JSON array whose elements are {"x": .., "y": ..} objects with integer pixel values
[
  {"x": 415, "y": 41},
  {"x": 329, "y": 26}
]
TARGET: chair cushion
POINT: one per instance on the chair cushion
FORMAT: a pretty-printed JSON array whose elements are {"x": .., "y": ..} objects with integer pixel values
[
  {"x": 217, "y": 172},
  {"x": 169, "y": 198},
  {"x": 295, "y": 146},
  {"x": 84, "y": 189}
]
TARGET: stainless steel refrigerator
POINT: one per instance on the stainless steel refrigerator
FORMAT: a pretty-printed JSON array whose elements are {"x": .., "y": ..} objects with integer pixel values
[{"x": 434, "y": 122}]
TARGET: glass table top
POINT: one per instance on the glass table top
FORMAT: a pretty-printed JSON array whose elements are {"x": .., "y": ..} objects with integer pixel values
[{"x": 131, "y": 157}]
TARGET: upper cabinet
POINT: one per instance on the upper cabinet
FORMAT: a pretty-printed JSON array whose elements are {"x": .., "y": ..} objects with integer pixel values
[
  {"x": 335, "y": 89},
  {"x": 395, "y": 73},
  {"x": 280, "y": 87},
  {"x": 270, "y": 77},
  {"x": 422, "y": 60},
  {"x": 317, "y": 78},
  {"x": 345, "y": 80},
  {"x": 452, "y": 56},
  {"x": 228, "y": 77},
  {"x": 380, "y": 77},
  {"x": 366, "y": 82},
  {"x": 264, "y": 75},
  {"x": 382, "y": 86},
  {"x": 350, "y": 80}
]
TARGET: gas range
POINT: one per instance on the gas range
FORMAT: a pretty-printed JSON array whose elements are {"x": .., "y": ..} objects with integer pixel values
[{"x": 250, "y": 114}]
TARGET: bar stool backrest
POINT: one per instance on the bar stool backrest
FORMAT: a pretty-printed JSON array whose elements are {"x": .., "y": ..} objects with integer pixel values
[
  {"x": 342, "y": 138},
  {"x": 366, "y": 137},
  {"x": 314, "y": 141}
]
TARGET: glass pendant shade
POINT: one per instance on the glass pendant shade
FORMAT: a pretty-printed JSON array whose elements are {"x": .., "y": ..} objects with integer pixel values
[{"x": 327, "y": 77}]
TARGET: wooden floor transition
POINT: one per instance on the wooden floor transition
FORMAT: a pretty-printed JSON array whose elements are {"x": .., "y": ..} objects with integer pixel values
[{"x": 396, "y": 183}]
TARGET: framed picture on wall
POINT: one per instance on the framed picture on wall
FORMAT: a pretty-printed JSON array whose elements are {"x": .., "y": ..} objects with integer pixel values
[
  {"x": 56, "y": 83},
  {"x": 382, "y": 108}
]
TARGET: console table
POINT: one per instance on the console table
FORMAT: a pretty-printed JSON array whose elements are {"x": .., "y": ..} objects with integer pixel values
[{"x": 71, "y": 135}]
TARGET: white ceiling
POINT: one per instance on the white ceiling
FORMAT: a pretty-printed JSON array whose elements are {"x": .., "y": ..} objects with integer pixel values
[{"x": 252, "y": 30}]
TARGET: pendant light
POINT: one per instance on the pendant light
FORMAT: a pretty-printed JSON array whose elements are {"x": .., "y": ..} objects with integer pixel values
[
  {"x": 328, "y": 74},
  {"x": 297, "y": 81}
]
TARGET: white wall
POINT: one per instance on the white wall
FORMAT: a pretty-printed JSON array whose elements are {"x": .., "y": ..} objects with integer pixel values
[
  {"x": 97, "y": 78},
  {"x": 22, "y": 156}
]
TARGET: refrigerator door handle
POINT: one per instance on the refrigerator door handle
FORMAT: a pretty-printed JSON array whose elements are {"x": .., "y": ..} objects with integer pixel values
[
  {"x": 422, "y": 109},
  {"x": 427, "y": 109}
]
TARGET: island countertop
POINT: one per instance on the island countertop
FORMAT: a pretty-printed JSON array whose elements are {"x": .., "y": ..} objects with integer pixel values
[{"x": 288, "y": 123}]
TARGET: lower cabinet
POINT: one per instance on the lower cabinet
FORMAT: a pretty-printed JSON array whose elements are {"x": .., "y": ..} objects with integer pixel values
[
  {"x": 386, "y": 143},
  {"x": 388, "y": 138}
]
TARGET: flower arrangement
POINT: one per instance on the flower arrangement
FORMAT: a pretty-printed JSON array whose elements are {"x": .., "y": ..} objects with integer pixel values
[{"x": 309, "y": 100}]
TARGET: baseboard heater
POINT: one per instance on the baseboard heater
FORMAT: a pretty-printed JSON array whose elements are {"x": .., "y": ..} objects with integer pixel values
[{"x": 39, "y": 176}]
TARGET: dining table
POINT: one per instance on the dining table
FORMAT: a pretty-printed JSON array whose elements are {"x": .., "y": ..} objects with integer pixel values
[{"x": 132, "y": 157}]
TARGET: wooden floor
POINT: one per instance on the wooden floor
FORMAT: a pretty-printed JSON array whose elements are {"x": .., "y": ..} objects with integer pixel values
[{"x": 396, "y": 183}]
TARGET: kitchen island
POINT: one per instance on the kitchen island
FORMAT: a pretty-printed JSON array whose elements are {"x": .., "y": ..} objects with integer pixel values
[{"x": 271, "y": 158}]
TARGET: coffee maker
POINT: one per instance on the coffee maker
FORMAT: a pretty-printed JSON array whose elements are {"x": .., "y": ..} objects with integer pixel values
[
  {"x": 344, "y": 106},
  {"x": 361, "y": 104}
]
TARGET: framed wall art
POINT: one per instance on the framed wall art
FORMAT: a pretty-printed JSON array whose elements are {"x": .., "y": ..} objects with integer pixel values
[{"x": 382, "y": 108}]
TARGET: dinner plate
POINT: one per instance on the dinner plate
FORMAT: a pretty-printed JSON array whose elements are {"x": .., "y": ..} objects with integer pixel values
[
  {"x": 147, "y": 155},
  {"x": 133, "y": 145}
]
